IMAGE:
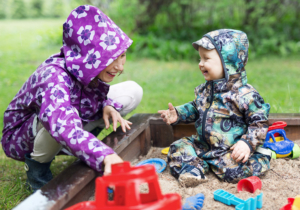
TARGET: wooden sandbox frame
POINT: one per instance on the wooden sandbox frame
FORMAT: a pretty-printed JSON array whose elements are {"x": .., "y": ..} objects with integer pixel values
[{"x": 77, "y": 182}]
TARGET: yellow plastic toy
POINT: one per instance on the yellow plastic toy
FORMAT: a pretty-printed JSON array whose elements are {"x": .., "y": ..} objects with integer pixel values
[
  {"x": 296, "y": 204},
  {"x": 165, "y": 151}
]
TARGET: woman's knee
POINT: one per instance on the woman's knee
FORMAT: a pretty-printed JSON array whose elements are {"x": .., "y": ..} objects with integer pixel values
[
  {"x": 131, "y": 96},
  {"x": 45, "y": 147}
]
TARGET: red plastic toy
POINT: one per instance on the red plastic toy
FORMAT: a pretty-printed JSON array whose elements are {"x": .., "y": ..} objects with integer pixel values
[
  {"x": 293, "y": 204},
  {"x": 126, "y": 181},
  {"x": 250, "y": 184},
  {"x": 277, "y": 125}
]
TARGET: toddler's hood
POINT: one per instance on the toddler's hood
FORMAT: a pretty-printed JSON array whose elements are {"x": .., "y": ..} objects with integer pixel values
[
  {"x": 232, "y": 46},
  {"x": 91, "y": 41}
]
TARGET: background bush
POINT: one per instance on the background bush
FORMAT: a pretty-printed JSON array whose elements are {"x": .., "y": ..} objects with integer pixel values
[{"x": 165, "y": 29}]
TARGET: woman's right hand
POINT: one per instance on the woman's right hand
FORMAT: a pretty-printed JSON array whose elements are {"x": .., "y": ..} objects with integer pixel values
[
  {"x": 169, "y": 116},
  {"x": 108, "y": 161}
]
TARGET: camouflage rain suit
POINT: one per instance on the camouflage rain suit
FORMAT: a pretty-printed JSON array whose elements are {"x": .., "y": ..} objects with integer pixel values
[{"x": 225, "y": 111}]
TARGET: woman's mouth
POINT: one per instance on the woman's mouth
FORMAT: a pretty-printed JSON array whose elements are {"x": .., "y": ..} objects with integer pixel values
[{"x": 111, "y": 74}]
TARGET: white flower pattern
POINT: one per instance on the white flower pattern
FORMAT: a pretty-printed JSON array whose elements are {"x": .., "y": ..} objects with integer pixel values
[
  {"x": 76, "y": 71},
  {"x": 86, "y": 34},
  {"x": 67, "y": 29},
  {"x": 59, "y": 95},
  {"x": 109, "y": 41},
  {"x": 91, "y": 59},
  {"x": 80, "y": 11},
  {"x": 77, "y": 136},
  {"x": 74, "y": 53}
]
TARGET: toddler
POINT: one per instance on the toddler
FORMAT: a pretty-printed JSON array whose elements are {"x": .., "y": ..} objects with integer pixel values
[{"x": 230, "y": 116}]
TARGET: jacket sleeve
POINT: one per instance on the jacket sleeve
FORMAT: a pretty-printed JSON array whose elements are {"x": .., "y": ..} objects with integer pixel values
[
  {"x": 187, "y": 113},
  {"x": 256, "y": 114},
  {"x": 61, "y": 120},
  {"x": 111, "y": 102}
]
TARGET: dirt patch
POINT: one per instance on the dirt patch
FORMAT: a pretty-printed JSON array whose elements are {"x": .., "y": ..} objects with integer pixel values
[{"x": 281, "y": 182}]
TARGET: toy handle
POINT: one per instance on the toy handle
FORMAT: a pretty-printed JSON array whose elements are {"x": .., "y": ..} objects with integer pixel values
[
  {"x": 277, "y": 125},
  {"x": 271, "y": 134}
]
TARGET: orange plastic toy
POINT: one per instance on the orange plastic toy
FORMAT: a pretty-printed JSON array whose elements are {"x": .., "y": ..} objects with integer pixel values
[{"x": 126, "y": 181}]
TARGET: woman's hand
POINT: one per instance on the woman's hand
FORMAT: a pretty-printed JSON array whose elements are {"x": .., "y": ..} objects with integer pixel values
[
  {"x": 108, "y": 161},
  {"x": 110, "y": 112},
  {"x": 169, "y": 116},
  {"x": 241, "y": 151}
]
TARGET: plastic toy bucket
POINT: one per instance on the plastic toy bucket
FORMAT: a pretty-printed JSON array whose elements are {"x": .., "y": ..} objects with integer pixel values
[{"x": 250, "y": 184}]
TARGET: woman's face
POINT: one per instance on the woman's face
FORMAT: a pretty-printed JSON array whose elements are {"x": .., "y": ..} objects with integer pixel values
[{"x": 113, "y": 69}]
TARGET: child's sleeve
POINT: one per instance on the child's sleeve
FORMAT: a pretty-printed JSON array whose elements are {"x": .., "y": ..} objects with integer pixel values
[
  {"x": 256, "y": 113},
  {"x": 63, "y": 123},
  {"x": 187, "y": 113},
  {"x": 111, "y": 102}
]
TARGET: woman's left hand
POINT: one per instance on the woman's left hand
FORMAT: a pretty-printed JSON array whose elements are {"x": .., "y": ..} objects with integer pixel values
[{"x": 110, "y": 112}]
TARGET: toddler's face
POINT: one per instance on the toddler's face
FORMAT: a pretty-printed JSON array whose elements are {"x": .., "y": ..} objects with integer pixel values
[
  {"x": 116, "y": 67},
  {"x": 210, "y": 64}
]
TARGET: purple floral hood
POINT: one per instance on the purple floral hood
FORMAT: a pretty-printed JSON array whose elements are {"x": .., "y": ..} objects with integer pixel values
[{"x": 92, "y": 41}]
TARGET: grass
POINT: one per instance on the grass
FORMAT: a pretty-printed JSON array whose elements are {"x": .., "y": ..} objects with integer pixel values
[{"x": 23, "y": 48}]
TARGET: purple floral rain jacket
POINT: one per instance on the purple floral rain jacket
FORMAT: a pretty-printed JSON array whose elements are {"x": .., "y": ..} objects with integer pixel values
[{"x": 59, "y": 92}]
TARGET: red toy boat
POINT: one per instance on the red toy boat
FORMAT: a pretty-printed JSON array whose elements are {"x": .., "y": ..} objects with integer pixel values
[{"x": 126, "y": 181}]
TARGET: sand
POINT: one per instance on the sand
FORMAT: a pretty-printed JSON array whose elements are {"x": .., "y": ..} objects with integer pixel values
[{"x": 279, "y": 183}]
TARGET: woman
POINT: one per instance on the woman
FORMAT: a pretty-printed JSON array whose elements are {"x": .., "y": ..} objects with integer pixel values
[{"x": 66, "y": 102}]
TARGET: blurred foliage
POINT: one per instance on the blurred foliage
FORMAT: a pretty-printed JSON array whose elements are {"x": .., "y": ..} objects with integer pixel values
[{"x": 165, "y": 29}]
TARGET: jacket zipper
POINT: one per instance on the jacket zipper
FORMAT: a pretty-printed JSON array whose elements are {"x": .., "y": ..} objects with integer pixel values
[{"x": 205, "y": 113}]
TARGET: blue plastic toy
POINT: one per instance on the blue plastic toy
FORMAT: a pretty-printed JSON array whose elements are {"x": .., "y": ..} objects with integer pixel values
[
  {"x": 240, "y": 204},
  {"x": 158, "y": 163},
  {"x": 194, "y": 202},
  {"x": 280, "y": 145}
]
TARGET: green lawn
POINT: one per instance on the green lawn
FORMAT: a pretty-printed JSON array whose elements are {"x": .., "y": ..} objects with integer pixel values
[{"x": 23, "y": 48}]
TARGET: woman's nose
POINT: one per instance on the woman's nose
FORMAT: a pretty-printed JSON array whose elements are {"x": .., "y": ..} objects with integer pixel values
[{"x": 119, "y": 66}]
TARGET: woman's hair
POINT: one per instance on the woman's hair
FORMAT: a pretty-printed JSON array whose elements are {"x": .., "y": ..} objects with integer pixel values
[{"x": 94, "y": 83}]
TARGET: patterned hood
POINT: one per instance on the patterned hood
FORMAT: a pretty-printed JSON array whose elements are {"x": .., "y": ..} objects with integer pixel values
[
  {"x": 91, "y": 41},
  {"x": 232, "y": 46}
]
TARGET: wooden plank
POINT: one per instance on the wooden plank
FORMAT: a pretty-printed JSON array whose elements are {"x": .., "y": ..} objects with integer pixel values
[
  {"x": 119, "y": 140},
  {"x": 161, "y": 135},
  {"x": 289, "y": 118},
  {"x": 160, "y": 132},
  {"x": 132, "y": 151},
  {"x": 60, "y": 190},
  {"x": 85, "y": 194}
]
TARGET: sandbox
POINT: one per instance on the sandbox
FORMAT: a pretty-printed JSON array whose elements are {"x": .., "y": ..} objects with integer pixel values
[{"x": 149, "y": 134}]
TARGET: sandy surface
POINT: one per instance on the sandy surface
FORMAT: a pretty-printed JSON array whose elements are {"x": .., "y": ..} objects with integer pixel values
[{"x": 281, "y": 182}]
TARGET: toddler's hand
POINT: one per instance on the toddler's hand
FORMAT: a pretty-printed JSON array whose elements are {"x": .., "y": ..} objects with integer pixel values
[
  {"x": 108, "y": 161},
  {"x": 169, "y": 116},
  {"x": 241, "y": 151}
]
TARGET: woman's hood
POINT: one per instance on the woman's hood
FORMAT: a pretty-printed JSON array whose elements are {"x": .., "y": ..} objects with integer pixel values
[{"x": 91, "y": 41}]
